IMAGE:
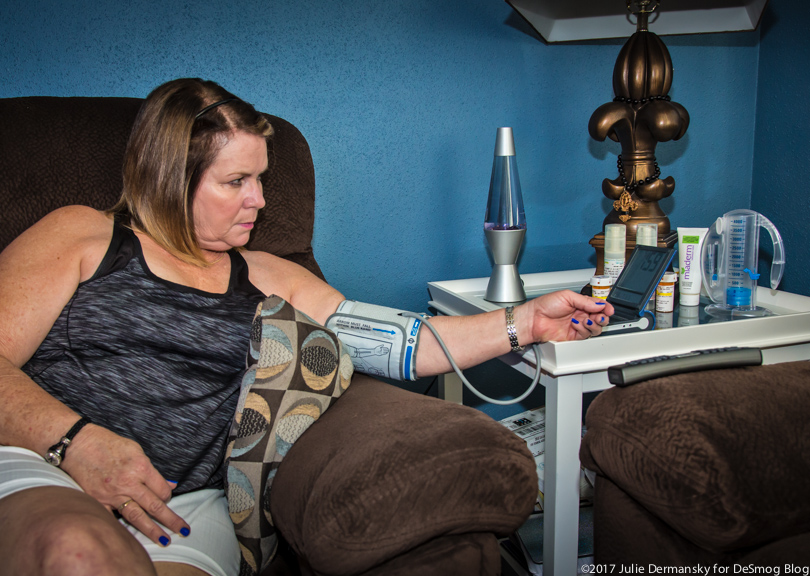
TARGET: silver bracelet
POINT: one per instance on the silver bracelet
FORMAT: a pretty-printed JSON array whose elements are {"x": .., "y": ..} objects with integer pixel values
[{"x": 511, "y": 330}]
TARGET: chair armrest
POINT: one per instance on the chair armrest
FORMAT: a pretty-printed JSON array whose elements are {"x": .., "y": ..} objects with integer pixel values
[
  {"x": 720, "y": 455},
  {"x": 385, "y": 470}
]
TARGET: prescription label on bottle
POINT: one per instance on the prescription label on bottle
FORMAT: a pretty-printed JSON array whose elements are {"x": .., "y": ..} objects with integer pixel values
[
  {"x": 665, "y": 293},
  {"x": 614, "y": 267},
  {"x": 600, "y": 286}
]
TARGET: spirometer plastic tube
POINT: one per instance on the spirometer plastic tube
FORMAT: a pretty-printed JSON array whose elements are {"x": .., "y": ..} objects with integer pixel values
[{"x": 689, "y": 241}]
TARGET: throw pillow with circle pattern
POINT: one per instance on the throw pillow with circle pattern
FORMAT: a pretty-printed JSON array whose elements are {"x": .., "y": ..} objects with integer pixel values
[{"x": 296, "y": 370}]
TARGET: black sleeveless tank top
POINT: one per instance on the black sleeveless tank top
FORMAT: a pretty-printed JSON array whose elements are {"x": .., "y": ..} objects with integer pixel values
[{"x": 152, "y": 360}]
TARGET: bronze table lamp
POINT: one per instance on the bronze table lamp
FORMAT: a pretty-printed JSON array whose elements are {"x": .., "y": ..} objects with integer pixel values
[{"x": 640, "y": 116}]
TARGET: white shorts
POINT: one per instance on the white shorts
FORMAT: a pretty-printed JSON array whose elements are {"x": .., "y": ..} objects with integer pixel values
[{"x": 211, "y": 546}]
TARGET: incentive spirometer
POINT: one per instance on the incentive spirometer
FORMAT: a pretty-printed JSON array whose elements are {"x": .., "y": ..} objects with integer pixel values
[{"x": 730, "y": 259}]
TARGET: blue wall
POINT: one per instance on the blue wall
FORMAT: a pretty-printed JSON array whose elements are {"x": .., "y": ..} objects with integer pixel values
[
  {"x": 400, "y": 101},
  {"x": 781, "y": 168}
]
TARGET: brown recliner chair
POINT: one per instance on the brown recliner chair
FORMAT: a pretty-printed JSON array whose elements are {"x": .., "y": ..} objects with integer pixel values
[
  {"x": 707, "y": 468},
  {"x": 387, "y": 481}
]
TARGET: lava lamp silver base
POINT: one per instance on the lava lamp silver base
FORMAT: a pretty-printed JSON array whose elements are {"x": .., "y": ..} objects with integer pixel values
[{"x": 505, "y": 284}]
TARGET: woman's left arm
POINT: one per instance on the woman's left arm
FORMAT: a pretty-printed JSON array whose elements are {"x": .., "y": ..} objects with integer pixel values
[
  {"x": 294, "y": 283},
  {"x": 563, "y": 315}
]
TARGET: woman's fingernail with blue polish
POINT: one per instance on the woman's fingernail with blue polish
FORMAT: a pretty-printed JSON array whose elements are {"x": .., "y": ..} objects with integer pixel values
[
  {"x": 602, "y": 319},
  {"x": 574, "y": 320},
  {"x": 589, "y": 322},
  {"x": 184, "y": 531},
  {"x": 600, "y": 303},
  {"x": 163, "y": 541}
]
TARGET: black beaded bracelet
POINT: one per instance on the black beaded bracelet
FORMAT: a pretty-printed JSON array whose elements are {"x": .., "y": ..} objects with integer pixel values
[{"x": 56, "y": 453}]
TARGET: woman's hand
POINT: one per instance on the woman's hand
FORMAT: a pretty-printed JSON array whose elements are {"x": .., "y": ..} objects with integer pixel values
[
  {"x": 116, "y": 472},
  {"x": 564, "y": 315}
]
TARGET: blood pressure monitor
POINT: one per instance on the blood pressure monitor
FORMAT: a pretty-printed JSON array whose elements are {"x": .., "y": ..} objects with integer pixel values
[{"x": 634, "y": 287}]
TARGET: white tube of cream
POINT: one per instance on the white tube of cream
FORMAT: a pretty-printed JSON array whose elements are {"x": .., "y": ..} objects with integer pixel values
[{"x": 690, "y": 277}]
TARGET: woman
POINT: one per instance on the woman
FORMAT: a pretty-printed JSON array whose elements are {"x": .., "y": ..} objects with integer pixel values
[{"x": 139, "y": 320}]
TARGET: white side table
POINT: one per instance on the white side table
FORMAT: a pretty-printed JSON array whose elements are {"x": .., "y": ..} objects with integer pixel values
[{"x": 571, "y": 369}]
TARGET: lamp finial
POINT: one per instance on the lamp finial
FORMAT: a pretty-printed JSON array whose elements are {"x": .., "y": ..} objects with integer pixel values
[{"x": 642, "y": 9}]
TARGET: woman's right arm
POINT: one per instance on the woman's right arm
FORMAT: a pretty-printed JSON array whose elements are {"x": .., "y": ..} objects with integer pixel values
[{"x": 39, "y": 272}]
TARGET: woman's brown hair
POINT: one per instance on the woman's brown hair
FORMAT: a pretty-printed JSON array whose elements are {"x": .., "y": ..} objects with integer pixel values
[{"x": 175, "y": 139}]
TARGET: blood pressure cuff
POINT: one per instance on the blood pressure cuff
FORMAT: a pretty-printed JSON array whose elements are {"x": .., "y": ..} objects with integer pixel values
[{"x": 380, "y": 341}]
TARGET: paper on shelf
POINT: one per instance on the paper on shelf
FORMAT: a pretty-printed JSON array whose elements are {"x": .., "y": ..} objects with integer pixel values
[{"x": 530, "y": 426}]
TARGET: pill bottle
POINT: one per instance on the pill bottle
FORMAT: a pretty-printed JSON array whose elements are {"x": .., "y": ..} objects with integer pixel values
[
  {"x": 600, "y": 286},
  {"x": 665, "y": 293},
  {"x": 615, "y": 242}
]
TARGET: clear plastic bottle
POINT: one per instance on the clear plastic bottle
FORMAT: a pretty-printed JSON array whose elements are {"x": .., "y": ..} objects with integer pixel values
[
  {"x": 615, "y": 242},
  {"x": 647, "y": 235}
]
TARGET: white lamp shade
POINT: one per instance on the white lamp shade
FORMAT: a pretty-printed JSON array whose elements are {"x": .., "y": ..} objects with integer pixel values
[{"x": 564, "y": 21}]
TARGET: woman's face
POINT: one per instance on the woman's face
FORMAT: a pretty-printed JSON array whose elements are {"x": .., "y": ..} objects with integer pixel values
[{"x": 229, "y": 196}]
